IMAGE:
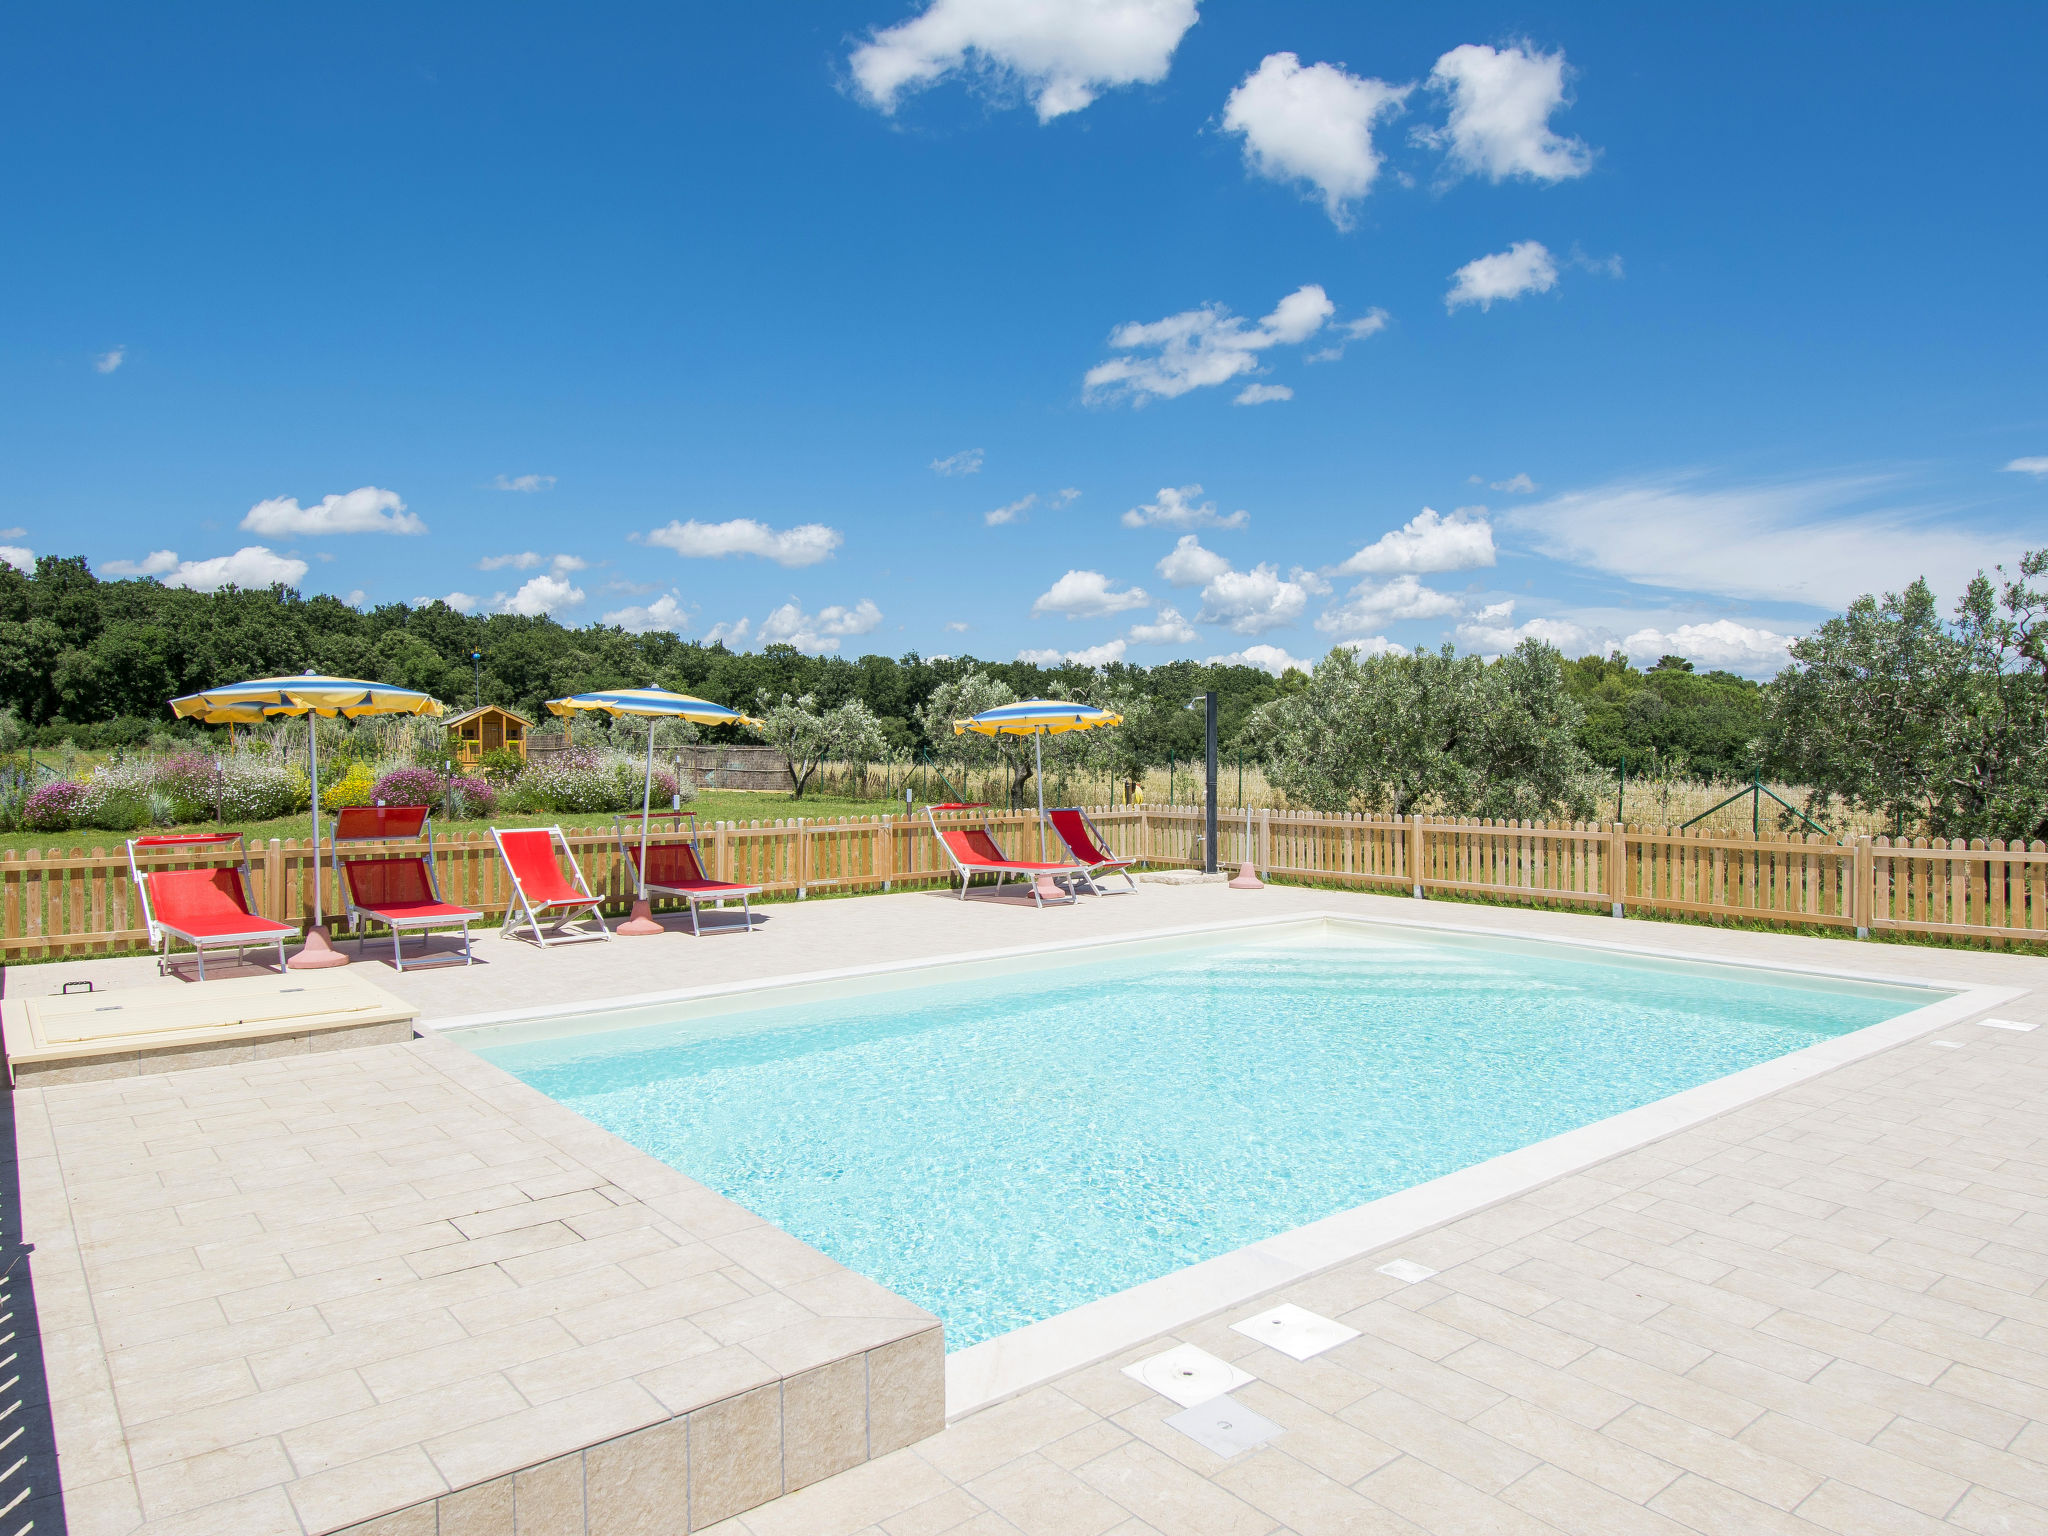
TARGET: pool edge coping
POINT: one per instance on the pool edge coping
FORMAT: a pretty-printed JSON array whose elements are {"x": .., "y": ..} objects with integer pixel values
[
  {"x": 987, "y": 1373},
  {"x": 983, "y": 1374}
]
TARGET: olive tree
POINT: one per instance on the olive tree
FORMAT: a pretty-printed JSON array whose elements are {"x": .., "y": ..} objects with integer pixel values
[
  {"x": 808, "y": 737},
  {"x": 1438, "y": 730},
  {"x": 1891, "y": 709}
]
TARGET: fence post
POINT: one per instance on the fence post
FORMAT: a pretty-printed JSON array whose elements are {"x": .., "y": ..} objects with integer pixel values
[
  {"x": 1865, "y": 897},
  {"x": 1617, "y": 866},
  {"x": 1415, "y": 853},
  {"x": 1144, "y": 835},
  {"x": 803, "y": 856},
  {"x": 1265, "y": 853},
  {"x": 885, "y": 859}
]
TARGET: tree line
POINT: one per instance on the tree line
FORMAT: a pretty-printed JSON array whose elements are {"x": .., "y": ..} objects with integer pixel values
[{"x": 1938, "y": 722}]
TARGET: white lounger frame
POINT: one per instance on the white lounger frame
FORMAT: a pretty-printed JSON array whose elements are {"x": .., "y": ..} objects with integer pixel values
[
  {"x": 694, "y": 898},
  {"x": 521, "y": 904},
  {"x": 1088, "y": 874},
  {"x": 1002, "y": 872},
  {"x": 359, "y": 915},
  {"x": 161, "y": 933}
]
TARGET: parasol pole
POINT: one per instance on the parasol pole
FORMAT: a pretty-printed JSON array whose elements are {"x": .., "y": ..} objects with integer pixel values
[
  {"x": 1038, "y": 754},
  {"x": 317, "y": 953},
  {"x": 642, "y": 921}
]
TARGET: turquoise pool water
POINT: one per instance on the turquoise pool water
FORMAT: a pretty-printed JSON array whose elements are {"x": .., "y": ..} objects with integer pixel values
[{"x": 1000, "y": 1151}]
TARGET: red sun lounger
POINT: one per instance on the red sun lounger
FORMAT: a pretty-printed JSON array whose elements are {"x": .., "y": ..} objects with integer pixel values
[
  {"x": 975, "y": 851},
  {"x": 539, "y": 888},
  {"x": 677, "y": 869},
  {"x": 399, "y": 891},
  {"x": 1077, "y": 830},
  {"x": 207, "y": 908}
]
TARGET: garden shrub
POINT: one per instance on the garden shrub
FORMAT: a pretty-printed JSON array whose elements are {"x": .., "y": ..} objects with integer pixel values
[
  {"x": 410, "y": 786},
  {"x": 474, "y": 798},
  {"x": 190, "y": 784},
  {"x": 252, "y": 789},
  {"x": 116, "y": 798},
  {"x": 356, "y": 787},
  {"x": 53, "y": 808},
  {"x": 586, "y": 780}
]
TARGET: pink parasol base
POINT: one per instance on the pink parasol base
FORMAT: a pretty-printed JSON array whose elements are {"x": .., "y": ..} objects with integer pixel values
[
  {"x": 641, "y": 924},
  {"x": 1247, "y": 879},
  {"x": 318, "y": 955},
  {"x": 1049, "y": 890}
]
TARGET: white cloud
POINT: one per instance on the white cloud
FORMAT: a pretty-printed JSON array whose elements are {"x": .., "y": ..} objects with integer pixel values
[
  {"x": 1250, "y": 602},
  {"x": 805, "y": 544},
  {"x": 1371, "y": 323},
  {"x": 1061, "y": 53},
  {"x": 250, "y": 566},
  {"x": 158, "y": 562},
  {"x": 365, "y": 510},
  {"x": 1426, "y": 543},
  {"x": 1524, "y": 267},
  {"x": 1497, "y": 637},
  {"x": 1011, "y": 513},
  {"x": 107, "y": 362},
  {"x": 1262, "y": 394},
  {"x": 666, "y": 612},
  {"x": 820, "y": 631},
  {"x": 1093, "y": 656},
  {"x": 357, "y": 598},
  {"x": 1816, "y": 541},
  {"x": 732, "y": 635},
  {"x": 1269, "y": 657},
  {"x": 1176, "y": 507},
  {"x": 1722, "y": 643},
  {"x": 23, "y": 560},
  {"x": 1063, "y": 498},
  {"x": 1190, "y": 565},
  {"x": 13, "y": 533},
  {"x": 527, "y": 560},
  {"x": 523, "y": 483},
  {"x": 1519, "y": 485},
  {"x": 1201, "y": 347},
  {"x": 1369, "y": 605},
  {"x": 1087, "y": 595},
  {"x": 1501, "y": 104},
  {"x": 540, "y": 595},
  {"x": 461, "y": 602},
  {"x": 2037, "y": 467},
  {"x": 958, "y": 626},
  {"x": 1167, "y": 628},
  {"x": 966, "y": 462},
  {"x": 1313, "y": 125}
]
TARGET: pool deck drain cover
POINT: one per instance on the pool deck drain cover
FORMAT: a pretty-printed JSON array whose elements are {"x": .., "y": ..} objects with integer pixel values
[
  {"x": 2012, "y": 1024},
  {"x": 1224, "y": 1426},
  {"x": 1188, "y": 1375},
  {"x": 1407, "y": 1271},
  {"x": 1295, "y": 1331}
]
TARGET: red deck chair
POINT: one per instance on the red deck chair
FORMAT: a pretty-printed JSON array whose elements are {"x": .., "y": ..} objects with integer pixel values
[
  {"x": 539, "y": 889},
  {"x": 399, "y": 890},
  {"x": 1077, "y": 830},
  {"x": 207, "y": 908},
  {"x": 975, "y": 851},
  {"x": 677, "y": 868}
]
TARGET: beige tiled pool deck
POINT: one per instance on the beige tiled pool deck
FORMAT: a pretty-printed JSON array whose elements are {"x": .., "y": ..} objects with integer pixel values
[{"x": 1826, "y": 1311}]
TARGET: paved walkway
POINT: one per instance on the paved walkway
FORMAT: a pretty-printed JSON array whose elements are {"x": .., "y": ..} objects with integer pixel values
[{"x": 1827, "y": 1311}]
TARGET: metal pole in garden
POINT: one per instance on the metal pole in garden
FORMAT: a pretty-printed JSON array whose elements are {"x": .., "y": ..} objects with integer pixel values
[{"x": 1209, "y": 819}]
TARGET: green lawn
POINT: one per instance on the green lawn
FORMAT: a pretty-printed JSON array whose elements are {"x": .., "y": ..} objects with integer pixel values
[{"x": 710, "y": 805}]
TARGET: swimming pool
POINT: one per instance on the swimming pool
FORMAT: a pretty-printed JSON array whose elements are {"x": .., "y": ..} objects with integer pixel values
[{"x": 1002, "y": 1148}]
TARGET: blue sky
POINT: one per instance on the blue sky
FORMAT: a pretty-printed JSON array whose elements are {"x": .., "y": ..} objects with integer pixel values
[{"x": 879, "y": 325}]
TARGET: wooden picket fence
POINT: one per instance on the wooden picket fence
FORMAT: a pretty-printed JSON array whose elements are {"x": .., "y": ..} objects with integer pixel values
[{"x": 64, "y": 903}]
